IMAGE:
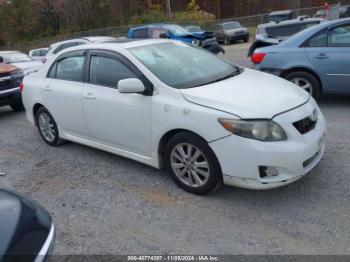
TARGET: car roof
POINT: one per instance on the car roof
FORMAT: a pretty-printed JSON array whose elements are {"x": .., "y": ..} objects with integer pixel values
[
  {"x": 98, "y": 38},
  {"x": 84, "y": 39},
  {"x": 152, "y": 26},
  {"x": 282, "y": 12},
  {"x": 289, "y": 22},
  {"x": 301, "y": 37},
  {"x": 228, "y": 22},
  {"x": 9, "y": 52},
  {"x": 121, "y": 44}
]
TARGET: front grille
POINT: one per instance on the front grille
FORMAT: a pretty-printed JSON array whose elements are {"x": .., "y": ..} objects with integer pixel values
[{"x": 305, "y": 125}]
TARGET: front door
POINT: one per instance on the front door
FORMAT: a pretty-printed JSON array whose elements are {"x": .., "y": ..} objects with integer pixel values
[{"x": 119, "y": 120}]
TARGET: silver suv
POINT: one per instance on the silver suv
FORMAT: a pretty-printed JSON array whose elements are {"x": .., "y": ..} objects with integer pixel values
[{"x": 229, "y": 32}]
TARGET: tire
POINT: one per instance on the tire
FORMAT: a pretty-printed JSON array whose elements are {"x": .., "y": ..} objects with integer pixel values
[
  {"x": 182, "y": 170},
  {"x": 306, "y": 81},
  {"x": 49, "y": 131},
  {"x": 227, "y": 41},
  {"x": 18, "y": 107}
]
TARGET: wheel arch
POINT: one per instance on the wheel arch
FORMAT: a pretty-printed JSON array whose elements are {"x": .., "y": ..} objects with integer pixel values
[
  {"x": 35, "y": 109},
  {"x": 286, "y": 72},
  {"x": 166, "y": 137}
]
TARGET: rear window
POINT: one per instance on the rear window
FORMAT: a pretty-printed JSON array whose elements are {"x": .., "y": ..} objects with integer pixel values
[
  {"x": 140, "y": 33},
  {"x": 288, "y": 30}
]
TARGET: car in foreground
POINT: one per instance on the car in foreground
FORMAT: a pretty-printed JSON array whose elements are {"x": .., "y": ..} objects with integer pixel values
[
  {"x": 168, "y": 104},
  {"x": 317, "y": 59},
  {"x": 274, "y": 33},
  {"x": 202, "y": 39},
  {"x": 229, "y": 32},
  {"x": 27, "y": 229},
  {"x": 20, "y": 60},
  {"x": 39, "y": 54},
  {"x": 59, "y": 46},
  {"x": 10, "y": 79}
]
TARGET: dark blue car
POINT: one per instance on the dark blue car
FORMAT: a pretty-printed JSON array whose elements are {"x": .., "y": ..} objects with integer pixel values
[{"x": 203, "y": 39}]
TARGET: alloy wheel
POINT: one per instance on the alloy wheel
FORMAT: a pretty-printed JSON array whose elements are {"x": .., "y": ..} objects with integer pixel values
[
  {"x": 190, "y": 165},
  {"x": 47, "y": 127},
  {"x": 304, "y": 84}
]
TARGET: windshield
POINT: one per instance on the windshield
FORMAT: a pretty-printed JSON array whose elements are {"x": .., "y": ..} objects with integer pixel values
[
  {"x": 182, "y": 66},
  {"x": 193, "y": 29},
  {"x": 229, "y": 26},
  {"x": 16, "y": 58},
  {"x": 177, "y": 30}
]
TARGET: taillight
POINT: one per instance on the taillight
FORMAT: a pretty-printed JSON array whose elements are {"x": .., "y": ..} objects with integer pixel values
[
  {"x": 257, "y": 58},
  {"x": 21, "y": 87}
]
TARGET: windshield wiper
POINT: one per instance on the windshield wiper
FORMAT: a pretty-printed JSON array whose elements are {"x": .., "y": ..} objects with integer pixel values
[{"x": 235, "y": 73}]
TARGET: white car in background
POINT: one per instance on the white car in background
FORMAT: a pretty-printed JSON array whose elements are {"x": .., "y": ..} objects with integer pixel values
[
  {"x": 39, "y": 54},
  {"x": 167, "y": 104},
  {"x": 20, "y": 60},
  {"x": 59, "y": 46}
]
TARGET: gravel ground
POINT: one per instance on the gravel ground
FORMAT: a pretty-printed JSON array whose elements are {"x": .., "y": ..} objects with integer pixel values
[{"x": 105, "y": 204}]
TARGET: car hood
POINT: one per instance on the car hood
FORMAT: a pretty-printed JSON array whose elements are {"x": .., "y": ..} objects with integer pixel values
[
  {"x": 249, "y": 95},
  {"x": 29, "y": 67}
]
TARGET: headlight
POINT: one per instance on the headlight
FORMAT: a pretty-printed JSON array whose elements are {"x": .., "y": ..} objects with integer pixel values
[
  {"x": 263, "y": 130},
  {"x": 196, "y": 42}
]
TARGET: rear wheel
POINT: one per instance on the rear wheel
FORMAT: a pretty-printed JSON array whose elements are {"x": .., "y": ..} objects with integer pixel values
[
  {"x": 18, "y": 107},
  {"x": 192, "y": 164},
  {"x": 47, "y": 127},
  {"x": 306, "y": 81}
]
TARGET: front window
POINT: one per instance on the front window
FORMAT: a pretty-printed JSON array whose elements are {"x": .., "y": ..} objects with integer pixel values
[
  {"x": 182, "y": 66},
  {"x": 230, "y": 26},
  {"x": 177, "y": 30},
  {"x": 16, "y": 58},
  {"x": 108, "y": 72}
]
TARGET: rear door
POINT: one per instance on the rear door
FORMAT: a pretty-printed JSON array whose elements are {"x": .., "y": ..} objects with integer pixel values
[
  {"x": 62, "y": 91},
  {"x": 329, "y": 53}
]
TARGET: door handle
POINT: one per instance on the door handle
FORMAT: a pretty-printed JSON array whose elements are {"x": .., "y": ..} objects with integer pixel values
[
  {"x": 47, "y": 88},
  {"x": 322, "y": 56},
  {"x": 89, "y": 96}
]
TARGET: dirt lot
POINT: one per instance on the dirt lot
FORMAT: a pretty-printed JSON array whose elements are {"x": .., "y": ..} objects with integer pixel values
[{"x": 105, "y": 204}]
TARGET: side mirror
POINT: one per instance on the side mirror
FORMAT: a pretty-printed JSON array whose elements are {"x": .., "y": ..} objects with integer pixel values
[
  {"x": 26, "y": 228},
  {"x": 1, "y": 59},
  {"x": 131, "y": 86},
  {"x": 163, "y": 35}
]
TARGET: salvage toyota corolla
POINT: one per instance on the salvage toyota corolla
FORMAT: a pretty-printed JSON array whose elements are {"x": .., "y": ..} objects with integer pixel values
[{"x": 167, "y": 104}]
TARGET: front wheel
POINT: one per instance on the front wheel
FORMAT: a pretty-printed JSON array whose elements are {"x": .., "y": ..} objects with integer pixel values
[
  {"x": 306, "y": 81},
  {"x": 192, "y": 164},
  {"x": 47, "y": 127}
]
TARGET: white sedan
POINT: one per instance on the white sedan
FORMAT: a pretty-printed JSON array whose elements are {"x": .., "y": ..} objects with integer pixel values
[{"x": 167, "y": 104}]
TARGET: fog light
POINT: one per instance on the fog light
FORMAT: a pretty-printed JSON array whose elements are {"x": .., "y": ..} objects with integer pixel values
[{"x": 268, "y": 171}]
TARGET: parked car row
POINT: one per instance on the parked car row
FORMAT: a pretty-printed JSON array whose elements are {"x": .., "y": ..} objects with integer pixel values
[{"x": 202, "y": 117}]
